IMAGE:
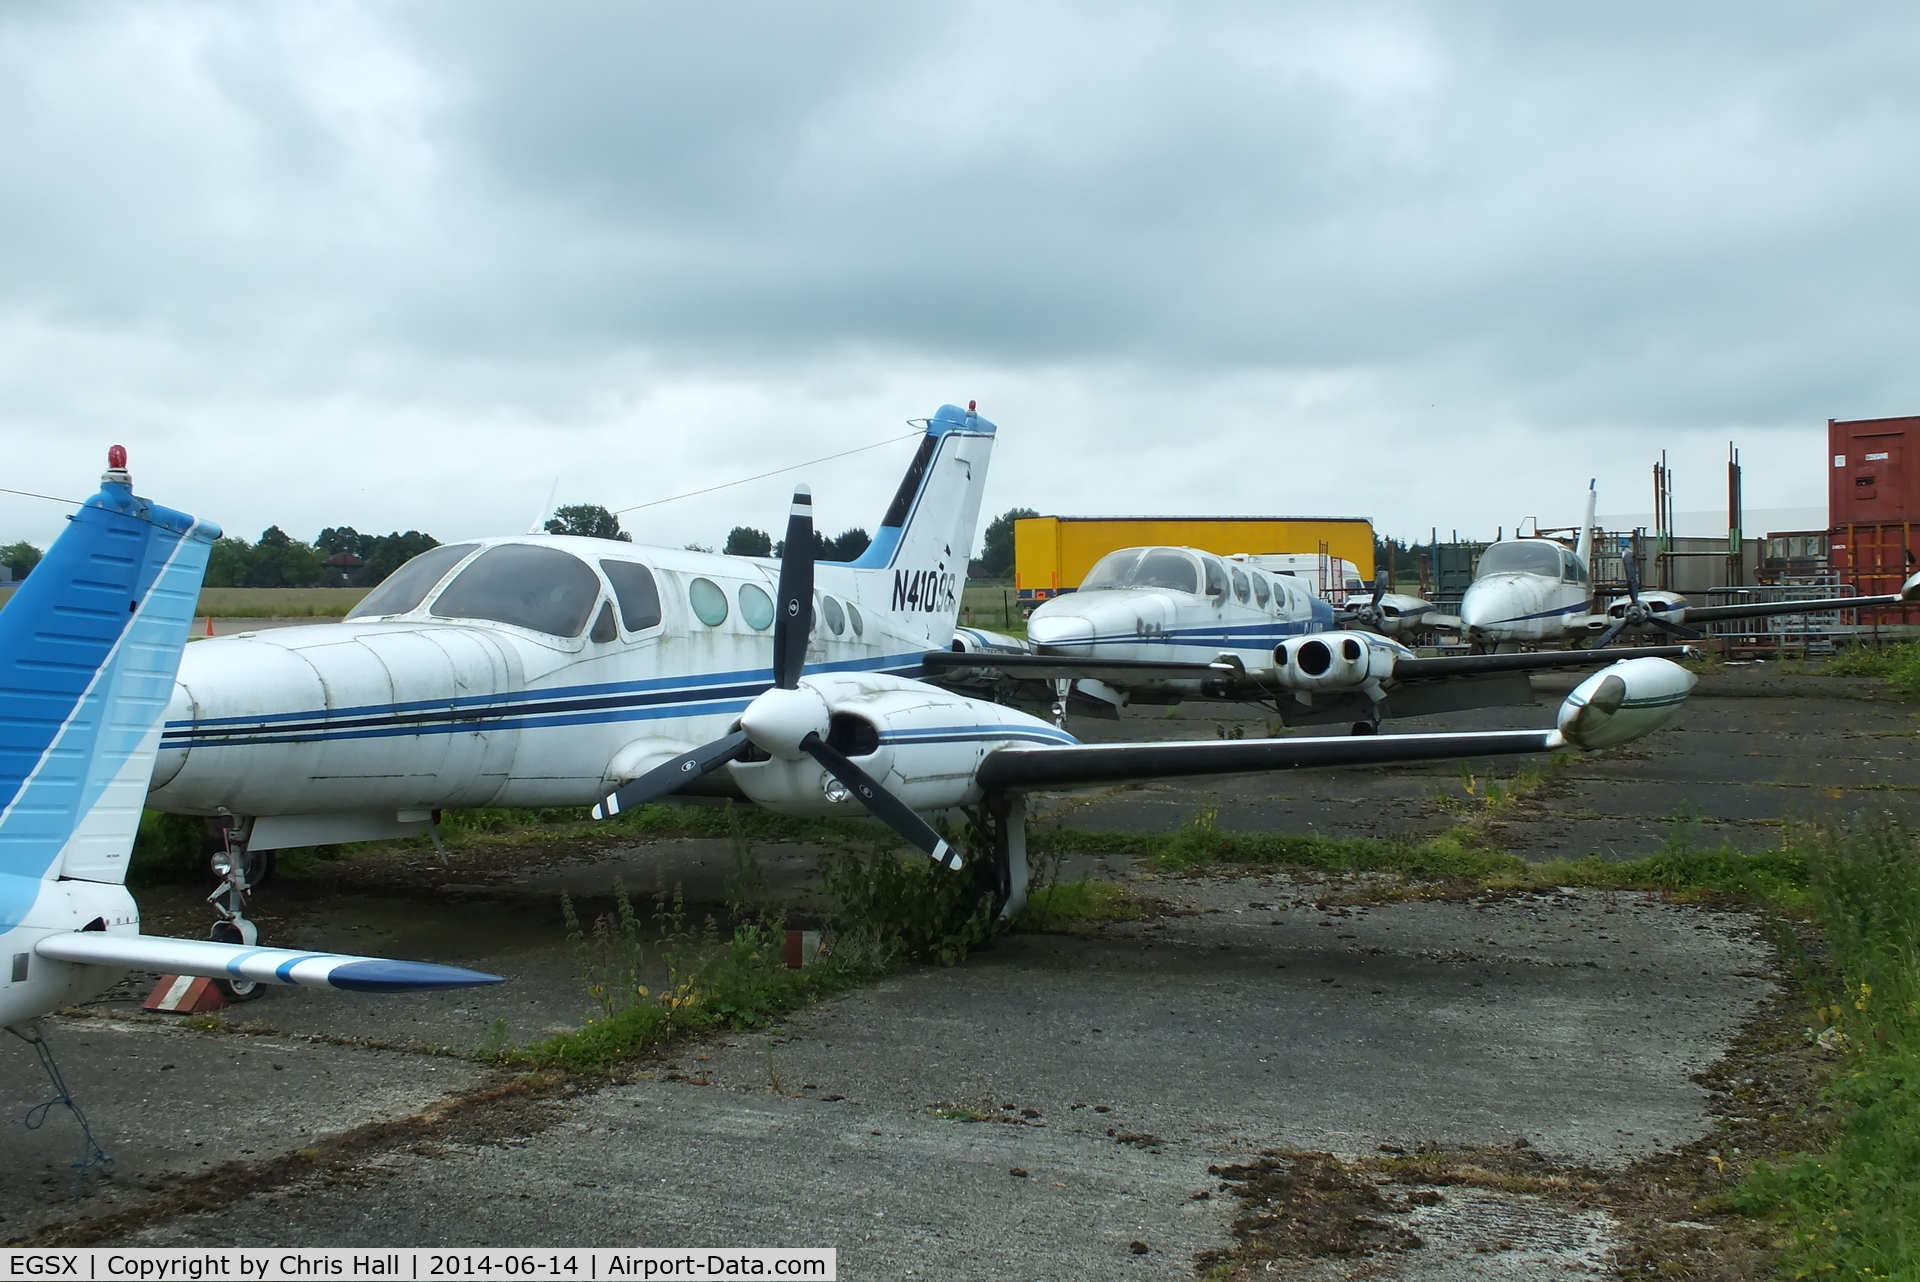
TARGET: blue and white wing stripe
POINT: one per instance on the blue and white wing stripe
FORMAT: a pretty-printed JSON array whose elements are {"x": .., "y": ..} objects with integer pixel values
[{"x": 261, "y": 965}]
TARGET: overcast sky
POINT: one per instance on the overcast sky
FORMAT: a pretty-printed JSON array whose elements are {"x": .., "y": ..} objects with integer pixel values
[{"x": 407, "y": 265}]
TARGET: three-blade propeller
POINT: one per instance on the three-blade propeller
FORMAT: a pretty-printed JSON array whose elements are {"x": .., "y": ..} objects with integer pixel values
[
  {"x": 1637, "y": 615},
  {"x": 1371, "y": 615},
  {"x": 789, "y": 720}
]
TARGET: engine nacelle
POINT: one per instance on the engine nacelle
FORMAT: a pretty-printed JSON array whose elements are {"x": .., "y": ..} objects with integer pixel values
[
  {"x": 1667, "y": 605},
  {"x": 1335, "y": 660},
  {"x": 981, "y": 641},
  {"x": 1618, "y": 704},
  {"x": 922, "y": 744}
]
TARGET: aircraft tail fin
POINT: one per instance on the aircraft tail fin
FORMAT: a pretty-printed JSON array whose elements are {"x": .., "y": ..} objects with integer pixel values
[
  {"x": 927, "y": 534},
  {"x": 1583, "y": 548},
  {"x": 89, "y": 647}
]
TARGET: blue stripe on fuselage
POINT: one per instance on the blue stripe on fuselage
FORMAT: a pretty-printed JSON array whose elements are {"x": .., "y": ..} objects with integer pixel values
[{"x": 705, "y": 694}]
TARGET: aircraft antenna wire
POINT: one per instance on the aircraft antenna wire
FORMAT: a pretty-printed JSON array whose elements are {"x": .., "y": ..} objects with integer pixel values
[
  {"x": 51, "y": 498},
  {"x": 727, "y": 485}
]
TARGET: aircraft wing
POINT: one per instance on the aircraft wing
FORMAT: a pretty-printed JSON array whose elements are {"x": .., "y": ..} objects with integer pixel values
[
  {"x": 261, "y": 965},
  {"x": 1121, "y": 673},
  {"x": 1447, "y": 666},
  {"x": 1761, "y": 609},
  {"x": 1091, "y": 763},
  {"x": 1047, "y": 667}
]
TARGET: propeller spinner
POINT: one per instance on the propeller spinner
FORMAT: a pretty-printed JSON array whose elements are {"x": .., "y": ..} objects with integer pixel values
[{"x": 791, "y": 720}]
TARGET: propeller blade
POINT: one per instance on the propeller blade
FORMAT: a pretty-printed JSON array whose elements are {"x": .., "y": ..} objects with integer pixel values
[
  {"x": 793, "y": 614},
  {"x": 1614, "y": 629},
  {"x": 1632, "y": 560},
  {"x": 1677, "y": 629},
  {"x": 673, "y": 775},
  {"x": 1379, "y": 589},
  {"x": 885, "y": 807}
]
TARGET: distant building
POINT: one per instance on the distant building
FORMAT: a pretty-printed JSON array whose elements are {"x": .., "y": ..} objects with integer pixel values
[{"x": 345, "y": 565}]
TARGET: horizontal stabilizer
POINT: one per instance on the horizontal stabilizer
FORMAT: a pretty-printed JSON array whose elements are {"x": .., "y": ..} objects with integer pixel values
[{"x": 261, "y": 965}]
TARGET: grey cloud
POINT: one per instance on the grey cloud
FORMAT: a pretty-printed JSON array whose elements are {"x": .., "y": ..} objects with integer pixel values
[{"x": 1615, "y": 222}]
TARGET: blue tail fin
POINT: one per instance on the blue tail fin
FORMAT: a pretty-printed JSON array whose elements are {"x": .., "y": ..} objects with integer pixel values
[{"x": 89, "y": 646}]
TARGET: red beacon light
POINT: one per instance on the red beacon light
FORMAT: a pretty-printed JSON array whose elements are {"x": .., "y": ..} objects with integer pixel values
[
  {"x": 971, "y": 405},
  {"x": 117, "y": 457}
]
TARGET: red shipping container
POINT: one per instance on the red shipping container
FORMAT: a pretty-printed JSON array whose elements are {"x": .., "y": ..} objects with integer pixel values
[{"x": 1875, "y": 474}]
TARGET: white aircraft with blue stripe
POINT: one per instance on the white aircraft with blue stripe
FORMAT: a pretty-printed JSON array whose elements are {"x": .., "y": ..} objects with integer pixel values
[
  {"x": 539, "y": 670},
  {"x": 89, "y": 646},
  {"x": 1167, "y": 624}
]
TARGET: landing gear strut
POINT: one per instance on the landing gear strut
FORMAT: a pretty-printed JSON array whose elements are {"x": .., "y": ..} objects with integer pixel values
[
  {"x": 239, "y": 871},
  {"x": 1010, "y": 871}
]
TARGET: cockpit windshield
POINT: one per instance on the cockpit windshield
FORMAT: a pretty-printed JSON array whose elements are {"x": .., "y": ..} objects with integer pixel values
[
  {"x": 540, "y": 588},
  {"x": 1520, "y": 556},
  {"x": 1165, "y": 568},
  {"x": 408, "y": 586}
]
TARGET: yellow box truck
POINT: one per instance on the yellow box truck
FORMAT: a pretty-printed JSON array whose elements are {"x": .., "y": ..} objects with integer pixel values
[{"x": 1052, "y": 554}]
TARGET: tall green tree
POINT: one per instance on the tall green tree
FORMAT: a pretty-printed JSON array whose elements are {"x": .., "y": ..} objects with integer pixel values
[
  {"x": 744, "y": 540},
  {"x": 20, "y": 557},
  {"x": 996, "y": 546},
  {"x": 587, "y": 520}
]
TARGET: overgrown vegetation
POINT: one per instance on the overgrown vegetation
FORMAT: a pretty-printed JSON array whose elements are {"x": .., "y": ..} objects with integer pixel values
[
  {"x": 890, "y": 908},
  {"x": 1068, "y": 905},
  {"x": 1854, "y": 1210},
  {"x": 1899, "y": 664}
]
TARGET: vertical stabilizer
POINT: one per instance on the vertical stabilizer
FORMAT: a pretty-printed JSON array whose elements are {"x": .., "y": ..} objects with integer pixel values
[
  {"x": 89, "y": 646},
  {"x": 927, "y": 534},
  {"x": 1583, "y": 549}
]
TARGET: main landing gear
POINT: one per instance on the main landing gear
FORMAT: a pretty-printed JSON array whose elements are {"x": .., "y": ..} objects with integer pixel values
[{"x": 240, "y": 870}]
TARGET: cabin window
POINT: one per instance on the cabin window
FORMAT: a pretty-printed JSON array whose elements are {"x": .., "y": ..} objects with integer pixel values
[
  {"x": 408, "y": 586},
  {"x": 836, "y": 617},
  {"x": 1571, "y": 570},
  {"x": 1261, "y": 593},
  {"x": 1111, "y": 570},
  {"x": 638, "y": 594},
  {"x": 756, "y": 607},
  {"x": 538, "y": 588},
  {"x": 1521, "y": 556},
  {"x": 604, "y": 628},
  {"x": 708, "y": 601},
  {"x": 853, "y": 617},
  {"x": 1241, "y": 588},
  {"x": 1216, "y": 576}
]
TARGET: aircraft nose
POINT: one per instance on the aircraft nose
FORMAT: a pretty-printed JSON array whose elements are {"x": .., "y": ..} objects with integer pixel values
[
  {"x": 1483, "y": 604},
  {"x": 1066, "y": 632}
]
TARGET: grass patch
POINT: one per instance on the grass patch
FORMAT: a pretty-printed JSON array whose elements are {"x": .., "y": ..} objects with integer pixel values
[
  {"x": 1853, "y": 1211},
  {"x": 1898, "y": 664},
  {"x": 279, "y": 603},
  {"x": 1454, "y": 854},
  {"x": 1066, "y": 905}
]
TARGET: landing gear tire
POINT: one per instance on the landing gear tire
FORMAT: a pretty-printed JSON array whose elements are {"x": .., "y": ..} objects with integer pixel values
[
  {"x": 235, "y": 990},
  {"x": 1365, "y": 727}
]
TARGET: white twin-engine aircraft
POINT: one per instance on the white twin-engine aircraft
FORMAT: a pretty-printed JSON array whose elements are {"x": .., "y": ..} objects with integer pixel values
[
  {"x": 88, "y": 649},
  {"x": 542, "y": 670},
  {"x": 1164, "y": 624},
  {"x": 1535, "y": 590}
]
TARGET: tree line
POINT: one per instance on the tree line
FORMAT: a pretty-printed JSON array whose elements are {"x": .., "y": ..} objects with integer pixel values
[{"x": 278, "y": 560}]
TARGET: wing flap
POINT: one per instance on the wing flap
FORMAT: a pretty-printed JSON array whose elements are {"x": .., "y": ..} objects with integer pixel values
[{"x": 262, "y": 965}]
